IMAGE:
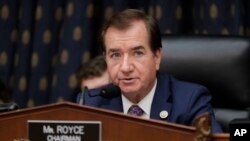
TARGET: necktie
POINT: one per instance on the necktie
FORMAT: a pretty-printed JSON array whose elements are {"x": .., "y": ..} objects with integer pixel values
[{"x": 135, "y": 110}]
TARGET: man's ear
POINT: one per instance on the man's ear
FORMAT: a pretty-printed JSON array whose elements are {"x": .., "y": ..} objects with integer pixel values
[{"x": 158, "y": 56}]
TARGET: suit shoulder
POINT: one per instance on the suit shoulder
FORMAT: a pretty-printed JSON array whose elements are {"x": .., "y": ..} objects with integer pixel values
[{"x": 181, "y": 85}]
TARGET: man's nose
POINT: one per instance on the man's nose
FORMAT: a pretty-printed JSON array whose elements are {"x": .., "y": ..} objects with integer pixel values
[{"x": 126, "y": 65}]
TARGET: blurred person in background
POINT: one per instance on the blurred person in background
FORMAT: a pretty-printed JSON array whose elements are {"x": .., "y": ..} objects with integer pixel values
[{"x": 92, "y": 74}]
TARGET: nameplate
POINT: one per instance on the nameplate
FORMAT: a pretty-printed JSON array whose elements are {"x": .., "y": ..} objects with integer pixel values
[
  {"x": 63, "y": 130},
  {"x": 239, "y": 130}
]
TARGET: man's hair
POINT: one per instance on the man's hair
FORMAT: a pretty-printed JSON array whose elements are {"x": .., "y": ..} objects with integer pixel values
[
  {"x": 123, "y": 20},
  {"x": 93, "y": 68}
]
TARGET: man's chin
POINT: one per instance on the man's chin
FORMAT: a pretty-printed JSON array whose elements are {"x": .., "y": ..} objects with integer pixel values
[{"x": 128, "y": 92}]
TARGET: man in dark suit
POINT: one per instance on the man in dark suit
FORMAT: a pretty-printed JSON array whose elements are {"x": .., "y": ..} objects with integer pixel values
[{"x": 133, "y": 51}]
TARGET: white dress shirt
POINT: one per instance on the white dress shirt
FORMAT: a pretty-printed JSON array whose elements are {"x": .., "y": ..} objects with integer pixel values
[{"x": 144, "y": 104}]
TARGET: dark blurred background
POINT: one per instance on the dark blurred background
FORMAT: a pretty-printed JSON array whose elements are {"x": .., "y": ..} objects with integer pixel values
[{"x": 43, "y": 42}]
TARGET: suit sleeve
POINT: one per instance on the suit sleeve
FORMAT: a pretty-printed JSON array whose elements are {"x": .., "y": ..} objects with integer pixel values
[{"x": 200, "y": 102}]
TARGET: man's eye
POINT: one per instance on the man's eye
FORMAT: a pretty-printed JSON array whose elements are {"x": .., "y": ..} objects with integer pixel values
[
  {"x": 138, "y": 53},
  {"x": 115, "y": 55}
]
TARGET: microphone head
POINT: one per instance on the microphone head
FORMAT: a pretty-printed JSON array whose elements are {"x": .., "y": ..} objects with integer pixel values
[
  {"x": 110, "y": 91},
  {"x": 11, "y": 106}
]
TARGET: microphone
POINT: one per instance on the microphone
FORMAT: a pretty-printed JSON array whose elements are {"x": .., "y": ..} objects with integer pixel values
[
  {"x": 109, "y": 91},
  {"x": 81, "y": 99},
  {"x": 4, "y": 107}
]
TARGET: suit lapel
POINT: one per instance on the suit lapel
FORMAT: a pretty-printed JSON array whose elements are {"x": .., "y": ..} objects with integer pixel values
[{"x": 162, "y": 101}]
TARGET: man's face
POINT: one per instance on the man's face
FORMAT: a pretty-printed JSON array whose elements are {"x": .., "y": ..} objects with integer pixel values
[{"x": 131, "y": 63}]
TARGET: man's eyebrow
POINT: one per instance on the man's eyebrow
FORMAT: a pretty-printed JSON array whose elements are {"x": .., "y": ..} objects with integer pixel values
[
  {"x": 113, "y": 50},
  {"x": 138, "y": 48}
]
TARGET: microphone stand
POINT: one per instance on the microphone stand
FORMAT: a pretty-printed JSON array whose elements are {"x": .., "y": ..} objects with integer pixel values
[{"x": 81, "y": 100}]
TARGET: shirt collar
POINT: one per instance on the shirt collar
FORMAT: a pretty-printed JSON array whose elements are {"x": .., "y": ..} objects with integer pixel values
[{"x": 145, "y": 103}]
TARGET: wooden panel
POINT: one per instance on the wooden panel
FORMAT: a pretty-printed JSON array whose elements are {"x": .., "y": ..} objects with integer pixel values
[{"x": 115, "y": 126}]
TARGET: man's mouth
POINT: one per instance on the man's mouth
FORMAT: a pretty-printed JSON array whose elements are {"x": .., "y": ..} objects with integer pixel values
[{"x": 127, "y": 80}]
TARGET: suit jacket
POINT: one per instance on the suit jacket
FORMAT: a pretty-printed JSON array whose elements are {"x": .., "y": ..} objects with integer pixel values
[{"x": 182, "y": 100}]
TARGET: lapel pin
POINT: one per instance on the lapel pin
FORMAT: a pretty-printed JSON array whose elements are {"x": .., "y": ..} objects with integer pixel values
[{"x": 163, "y": 114}]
